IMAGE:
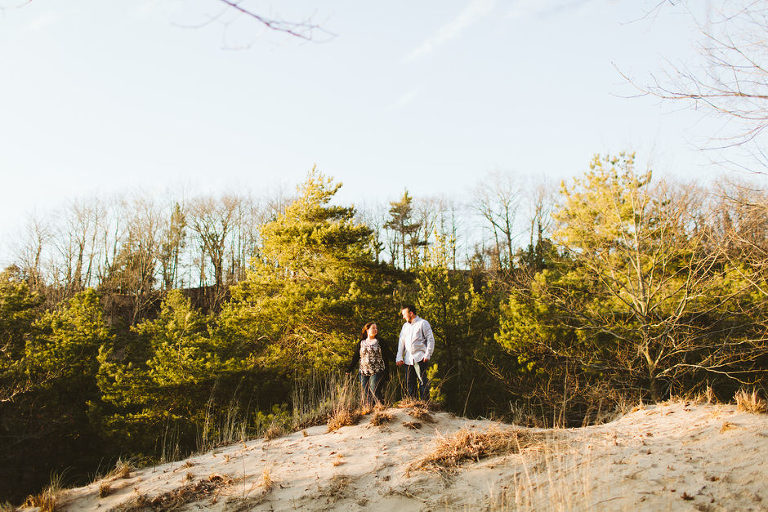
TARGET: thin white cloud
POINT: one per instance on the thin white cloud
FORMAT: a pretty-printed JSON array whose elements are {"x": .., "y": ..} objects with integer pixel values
[
  {"x": 544, "y": 8},
  {"x": 41, "y": 22},
  {"x": 525, "y": 8},
  {"x": 404, "y": 100},
  {"x": 474, "y": 11}
]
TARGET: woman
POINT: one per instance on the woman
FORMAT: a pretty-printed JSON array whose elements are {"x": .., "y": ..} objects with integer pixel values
[{"x": 371, "y": 354}]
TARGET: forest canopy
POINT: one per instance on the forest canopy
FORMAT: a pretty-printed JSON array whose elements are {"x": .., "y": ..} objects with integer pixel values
[{"x": 146, "y": 330}]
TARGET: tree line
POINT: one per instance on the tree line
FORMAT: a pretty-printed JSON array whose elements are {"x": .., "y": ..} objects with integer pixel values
[{"x": 132, "y": 329}]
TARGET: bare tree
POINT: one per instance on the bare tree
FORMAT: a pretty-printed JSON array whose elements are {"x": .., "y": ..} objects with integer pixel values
[
  {"x": 172, "y": 244},
  {"x": 497, "y": 200},
  {"x": 439, "y": 217},
  {"x": 741, "y": 230},
  {"x": 375, "y": 217},
  {"x": 731, "y": 81},
  {"x": 134, "y": 267},
  {"x": 213, "y": 220},
  {"x": 75, "y": 241},
  {"x": 37, "y": 235},
  {"x": 303, "y": 29}
]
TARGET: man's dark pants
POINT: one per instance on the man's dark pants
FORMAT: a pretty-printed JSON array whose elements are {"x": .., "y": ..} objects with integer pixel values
[{"x": 412, "y": 380}]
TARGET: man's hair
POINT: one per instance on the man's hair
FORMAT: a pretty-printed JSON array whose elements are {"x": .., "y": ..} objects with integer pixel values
[{"x": 410, "y": 307}]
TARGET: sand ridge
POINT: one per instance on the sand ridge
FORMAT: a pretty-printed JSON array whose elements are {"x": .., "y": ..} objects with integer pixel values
[{"x": 672, "y": 456}]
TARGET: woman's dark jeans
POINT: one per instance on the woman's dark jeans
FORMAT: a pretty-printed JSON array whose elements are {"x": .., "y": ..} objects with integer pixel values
[{"x": 371, "y": 385}]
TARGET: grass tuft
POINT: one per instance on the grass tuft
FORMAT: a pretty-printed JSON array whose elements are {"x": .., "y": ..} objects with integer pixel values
[
  {"x": 750, "y": 402},
  {"x": 105, "y": 489},
  {"x": 122, "y": 469},
  {"x": 43, "y": 502},
  {"x": 46, "y": 501},
  {"x": 421, "y": 414},
  {"x": 381, "y": 417},
  {"x": 407, "y": 402},
  {"x": 343, "y": 417},
  {"x": 177, "y": 498},
  {"x": 466, "y": 445},
  {"x": 336, "y": 488},
  {"x": 267, "y": 483},
  {"x": 275, "y": 430},
  {"x": 727, "y": 425}
]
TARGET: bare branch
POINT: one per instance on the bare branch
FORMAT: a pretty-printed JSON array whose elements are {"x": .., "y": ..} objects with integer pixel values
[{"x": 301, "y": 29}]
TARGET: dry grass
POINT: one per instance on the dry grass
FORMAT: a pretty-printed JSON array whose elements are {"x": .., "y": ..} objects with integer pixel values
[
  {"x": 343, "y": 417},
  {"x": 413, "y": 403},
  {"x": 750, "y": 402},
  {"x": 706, "y": 397},
  {"x": 266, "y": 480},
  {"x": 244, "y": 504},
  {"x": 176, "y": 498},
  {"x": 122, "y": 469},
  {"x": 421, "y": 414},
  {"x": 336, "y": 488},
  {"x": 46, "y": 501},
  {"x": 551, "y": 478},
  {"x": 105, "y": 489},
  {"x": 413, "y": 425},
  {"x": 466, "y": 445},
  {"x": 274, "y": 431},
  {"x": 381, "y": 417}
]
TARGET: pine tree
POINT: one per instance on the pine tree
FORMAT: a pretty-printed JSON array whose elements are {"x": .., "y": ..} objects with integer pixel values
[{"x": 402, "y": 223}]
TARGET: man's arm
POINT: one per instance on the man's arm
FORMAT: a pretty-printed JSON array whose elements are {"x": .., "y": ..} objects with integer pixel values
[
  {"x": 400, "y": 346},
  {"x": 429, "y": 337}
]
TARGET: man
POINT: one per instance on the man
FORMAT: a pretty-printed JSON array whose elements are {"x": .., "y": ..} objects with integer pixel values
[{"x": 417, "y": 343}]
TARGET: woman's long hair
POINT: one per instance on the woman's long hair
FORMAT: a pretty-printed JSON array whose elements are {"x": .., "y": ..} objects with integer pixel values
[{"x": 364, "y": 334}]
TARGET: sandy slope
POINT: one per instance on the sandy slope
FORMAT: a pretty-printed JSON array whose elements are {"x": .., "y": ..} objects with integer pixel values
[{"x": 676, "y": 456}]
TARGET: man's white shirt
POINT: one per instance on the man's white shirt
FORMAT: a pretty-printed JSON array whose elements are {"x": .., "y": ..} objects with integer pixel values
[{"x": 416, "y": 341}]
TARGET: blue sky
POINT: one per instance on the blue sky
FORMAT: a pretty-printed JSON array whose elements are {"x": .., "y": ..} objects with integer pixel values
[{"x": 98, "y": 97}]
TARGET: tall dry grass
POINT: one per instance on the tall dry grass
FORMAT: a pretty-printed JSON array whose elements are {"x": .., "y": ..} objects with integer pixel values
[
  {"x": 122, "y": 469},
  {"x": 469, "y": 445},
  {"x": 550, "y": 479},
  {"x": 231, "y": 427},
  {"x": 346, "y": 409},
  {"x": 48, "y": 499},
  {"x": 750, "y": 401}
]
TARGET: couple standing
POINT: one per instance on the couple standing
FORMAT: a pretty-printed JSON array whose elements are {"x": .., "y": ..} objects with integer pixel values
[{"x": 414, "y": 350}]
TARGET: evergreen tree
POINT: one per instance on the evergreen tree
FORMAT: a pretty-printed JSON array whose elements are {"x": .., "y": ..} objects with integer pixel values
[
  {"x": 402, "y": 223},
  {"x": 637, "y": 299},
  {"x": 19, "y": 309},
  {"x": 159, "y": 378},
  {"x": 316, "y": 282},
  {"x": 48, "y": 427},
  {"x": 463, "y": 321}
]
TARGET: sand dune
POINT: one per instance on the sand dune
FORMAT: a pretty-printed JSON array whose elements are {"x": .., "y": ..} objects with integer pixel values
[{"x": 674, "y": 456}]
